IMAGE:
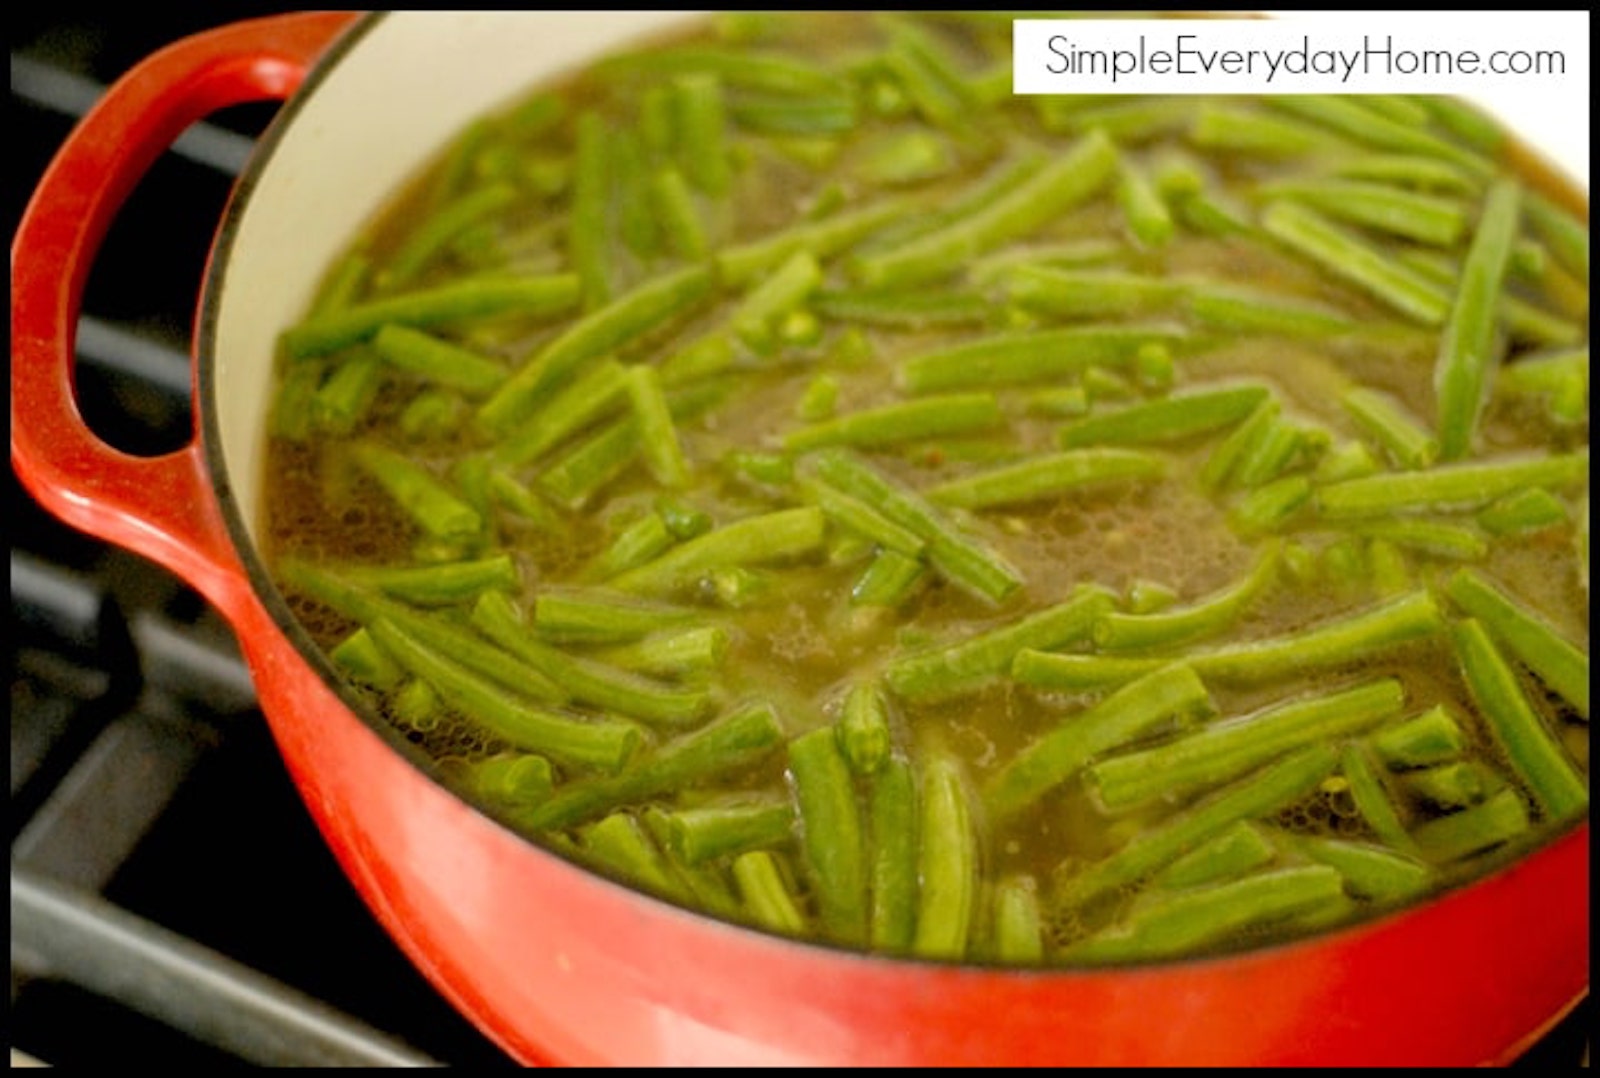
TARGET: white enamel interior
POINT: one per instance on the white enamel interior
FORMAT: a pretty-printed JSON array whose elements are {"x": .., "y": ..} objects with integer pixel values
[{"x": 374, "y": 118}]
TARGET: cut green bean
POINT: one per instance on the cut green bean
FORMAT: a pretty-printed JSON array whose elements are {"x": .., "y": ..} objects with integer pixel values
[
  {"x": 1452, "y": 486},
  {"x": 642, "y": 541},
  {"x": 671, "y": 653},
  {"x": 1433, "y": 737},
  {"x": 777, "y": 536},
  {"x": 1437, "y": 538},
  {"x": 603, "y": 744},
  {"x": 1467, "y": 352},
  {"x": 1179, "y": 416},
  {"x": 783, "y": 291},
  {"x": 726, "y": 745},
  {"x": 601, "y": 617},
  {"x": 1117, "y": 631},
  {"x": 1522, "y": 513},
  {"x": 893, "y": 815},
  {"x": 1241, "y": 444},
  {"x": 1143, "y": 210},
  {"x": 831, "y": 832},
  {"x": 697, "y": 835},
  {"x": 585, "y": 400},
  {"x": 863, "y": 730},
  {"x": 966, "y": 666},
  {"x": 360, "y": 656},
  {"x": 947, "y": 861},
  {"x": 1391, "y": 427},
  {"x": 1234, "y": 851},
  {"x": 1410, "y": 170},
  {"x": 1270, "y": 506},
  {"x": 1450, "y": 785},
  {"x": 658, "y": 437},
  {"x": 1567, "y": 237},
  {"x": 1349, "y": 258},
  {"x": 1232, "y": 129},
  {"x": 517, "y": 779},
  {"x": 1347, "y": 116},
  {"x": 434, "y": 585},
  {"x": 432, "y": 235},
  {"x": 960, "y": 559},
  {"x": 1223, "y": 751},
  {"x": 1525, "y": 634},
  {"x": 766, "y": 896},
  {"x": 437, "y": 361},
  {"x": 345, "y": 396},
  {"x": 859, "y": 517},
  {"x": 608, "y": 327},
  {"x": 590, "y": 682},
  {"x": 1022, "y": 358},
  {"x": 1132, "y": 710},
  {"x": 427, "y": 501},
  {"x": 1018, "y": 924},
  {"x": 1053, "y": 672},
  {"x": 1048, "y": 476},
  {"x": 888, "y": 581},
  {"x": 929, "y": 417},
  {"x": 1171, "y": 924},
  {"x": 1256, "y": 795},
  {"x": 1533, "y": 751},
  {"x": 1073, "y": 178},
  {"x": 822, "y": 239},
  {"x": 619, "y": 843},
  {"x": 1369, "y": 871},
  {"x": 1373, "y": 799},
  {"x": 1335, "y": 643},
  {"x": 1410, "y": 215},
  {"x": 1497, "y": 819},
  {"x": 1092, "y": 293}
]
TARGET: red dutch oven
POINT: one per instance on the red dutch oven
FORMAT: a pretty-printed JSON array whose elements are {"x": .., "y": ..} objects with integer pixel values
[{"x": 554, "y": 963}]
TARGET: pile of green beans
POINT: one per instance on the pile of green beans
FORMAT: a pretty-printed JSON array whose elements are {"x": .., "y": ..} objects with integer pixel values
[{"x": 783, "y": 470}]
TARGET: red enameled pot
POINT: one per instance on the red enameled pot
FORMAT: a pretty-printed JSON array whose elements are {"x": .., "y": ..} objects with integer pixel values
[{"x": 552, "y": 962}]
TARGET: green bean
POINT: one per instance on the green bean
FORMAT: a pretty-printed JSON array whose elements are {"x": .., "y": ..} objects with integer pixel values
[
  {"x": 892, "y": 816},
  {"x": 1433, "y": 537},
  {"x": 1235, "y": 130},
  {"x": 1452, "y": 486},
  {"x": 967, "y": 665},
  {"x": 434, "y": 232},
  {"x": 432, "y": 413},
  {"x": 360, "y": 656},
  {"x": 1256, "y": 795},
  {"x": 1560, "y": 375},
  {"x": 1179, "y": 416},
  {"x": 1062, "y": 183},
  {"x": 511, "y": 778},
  {"x": 1265, "y": 457},
  {"x": 726, "y": 745},
  {"x": 602, "y": 744},
  {"x": 1021, "y": 358},
  {"x": 1143, "y": 211},
  {"x": 1138, "y": 120},
  {"x": 783, "y": 291},
  {"x": 1523, "y": 321},
  {"x": 776, "y": 536},
  {"x": 1237, "y": 849},
  {"x": 481, "y": 297},
  {"x": 682, "y": 518},
  {"x": 947, "y": 860},
  {"x": 959, "y": 559},
  {"x": 1066, "y": 254},
  {"x": 1018, "y": 924},
  {"x": 673, "y": 202},
  {"x": 697, "y": 835},
  {"x": 1055, "y": 672},
  {"x": 588, "y": 398},
  {"x": 1346, "y": 460},
  {"x": 1331, "y": 644},
  {"x": 428, "y": 502},
  {"x": 1567, "y": 237},
  {"x": 904, "y": 157},
  {"x": 863, "y": 728},
  {"x": 589, "y": 682},
  {"x": 1091, "y": 293},
  {"x": 859, "y": 517},
  {"x": 671, "y": 652},
  {"x": 1522, "y": 512},
  {"x": 588, "y": 227},
  {"x": 831, "y": 832},
  {"x": 1534, "y": 753},
  {"x": 642, "y": 541},
  {"x": 1048, "y": 476},
  {"x": 1349, "y": 258},
  {"x": 437, "y": 361},
  {"x": 434, "y": 585},
  {"x": 1467, "y": 351},
  {"x": 1348, "y": 117},
  {"x": 614, "y": 325},
  {"x": 1500, "y": 818},
  {"x": 1466, "y": 122},
  {"x": 1372, "y": 798},
  {"x": 1270, "y": 506},
  {"x": 1223, "y": 751},
  {"x": 765, "y": 893},
  {"x": 1175, "y": 923},
  {"x": 1431, "y": 737},
  {"x": 1422, "y": 218},
  {"x": 888, "y": 581},
  {"x": 619, "y": 843},
  {"x": 900, "y": 309},
  {"x": 1150, "y": 596},
  {"x": 929, "y": 77},
  {"x": 928, "y": 417},
  {"x": 572, "y": 615},
  {"x": 1391, "y": 427},
  {"x": 1410, "y": 170},
  {"x": 1240, "y": 444},
  {"x": 345, "y": 396},
  {"x": 658, "y": 437},
  {"x": 822, "y": 238},
  {"x": 1136, "y": 708},
  {"x": 1212, "y": 614},
  {"x": 1451, "y": 785},
  {"x": 1368, "y": 871}
]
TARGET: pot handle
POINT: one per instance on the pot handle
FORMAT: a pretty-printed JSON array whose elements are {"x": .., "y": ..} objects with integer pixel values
[{"x": 162, "y": 507}]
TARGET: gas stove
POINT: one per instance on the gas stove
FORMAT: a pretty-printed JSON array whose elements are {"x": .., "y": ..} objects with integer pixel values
[{"x": 170, "y": 897}]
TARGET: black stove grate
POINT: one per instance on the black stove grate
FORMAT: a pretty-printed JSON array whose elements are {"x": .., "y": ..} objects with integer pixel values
[{"x": 170, "y": 898}]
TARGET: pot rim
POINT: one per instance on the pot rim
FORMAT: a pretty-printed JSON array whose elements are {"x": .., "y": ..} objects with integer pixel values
[{"x": 266, "y": 592}]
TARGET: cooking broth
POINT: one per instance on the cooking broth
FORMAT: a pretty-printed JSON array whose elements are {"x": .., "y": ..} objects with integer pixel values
[{"x": 1046, "y": 582}]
